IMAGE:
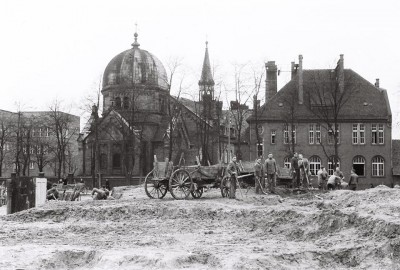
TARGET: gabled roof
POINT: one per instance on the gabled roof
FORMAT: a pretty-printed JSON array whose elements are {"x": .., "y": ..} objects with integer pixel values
[{"x": 366, "y": 101}]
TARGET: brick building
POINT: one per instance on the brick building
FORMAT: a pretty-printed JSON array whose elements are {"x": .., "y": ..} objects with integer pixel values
[
  {"x": 331, "y": 116},
  {"x": 29, "y": 143}
]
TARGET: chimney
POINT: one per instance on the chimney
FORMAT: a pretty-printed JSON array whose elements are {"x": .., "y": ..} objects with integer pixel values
[
  {"x": 341, "y": 73},
  {"x": 294, "y": 70},
  {"x": 300, "y": 79},
  {"x": 271, "y": 86},
  {"x": 377, "y": 83},
  {"x": 256, "y": 103}
]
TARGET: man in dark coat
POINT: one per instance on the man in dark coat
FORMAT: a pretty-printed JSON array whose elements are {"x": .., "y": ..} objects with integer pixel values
[
  {"x": 232, "y": 171},
  {"x": 259, "y": 176},
  {"x": 271, "y": 170},
  {"x": 295, "y": 171},
  {"x": 353, "y": 181}
]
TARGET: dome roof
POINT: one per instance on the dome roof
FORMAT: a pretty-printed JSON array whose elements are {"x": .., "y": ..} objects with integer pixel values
[{"x": 135, "y": 66}]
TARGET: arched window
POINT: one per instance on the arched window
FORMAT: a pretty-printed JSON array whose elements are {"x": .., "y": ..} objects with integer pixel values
[
  {"x": 126, "y": 103},
  {"x": 378, "y": 165},
  {"x": 117, "y": 161},
  {"x": 287, "y": 162},
  {"x": 359, "y": 165},
  {"x": 315, "y": 164},
  {"x": 331, "y": 164},
  {"x": 103, "y": 161},
  {"x": 118, "y": 102}
]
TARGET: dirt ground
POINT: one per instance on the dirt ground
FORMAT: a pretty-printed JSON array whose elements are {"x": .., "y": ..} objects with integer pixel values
[{"x": 335, "y": 230}]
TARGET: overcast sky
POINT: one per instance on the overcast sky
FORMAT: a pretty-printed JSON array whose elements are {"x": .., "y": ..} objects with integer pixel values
[{"x": 59, "y": 49}]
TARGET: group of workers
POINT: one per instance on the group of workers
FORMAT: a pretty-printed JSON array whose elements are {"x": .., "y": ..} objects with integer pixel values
[
  {"x": 102, "y": 193},
  {"x": 300, "y": 172}
]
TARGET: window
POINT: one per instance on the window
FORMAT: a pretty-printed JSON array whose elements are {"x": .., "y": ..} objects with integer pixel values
[
  {"x": 118, "y": 102},
  {"x": 33, "y": 132},
  {"x": 359, "y": 165},
  {"x": 315, "y": 164},
  {"x": 286, "y": 134},
  {"x": 126, "y": 103},
  {"x": 286, "y": 138},
  {"x": 378, "y": 164},
  {"x": 273, "y": 136},
  {"x": 331, "y": 136},
  {"x": 358, "y": 135},
  {"x": 374, "y": 134},
  {"x": 311, "y": 134},
  {"x": 355, "y": 134},
  {"x": 331, "y": 164},
  {"x": 31, "y": 165},
  {"x": 32, "y": 150},
  {"x": 47, "y": 132},
  {"x": 103, "y": 161},
  {"x": 287, "y": 162},
  {"x": 40, "y": 132},
  {"x": 362, "y": 133},
  {"x": 116, "y": 161},
  {"x": 318, "y": 133},
  {"x": 380, "y": 134},
  {"x": 260, "y": 130},
  {"x": 260, "y": 149}
]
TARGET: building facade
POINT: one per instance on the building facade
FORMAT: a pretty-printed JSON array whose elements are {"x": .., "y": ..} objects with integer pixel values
[
  {"x": 33, "y": 142},
  {"x": 332, "y": 117}
]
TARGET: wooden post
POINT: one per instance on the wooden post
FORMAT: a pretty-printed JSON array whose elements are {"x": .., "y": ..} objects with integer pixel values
[{"x": 9, "y": 195}]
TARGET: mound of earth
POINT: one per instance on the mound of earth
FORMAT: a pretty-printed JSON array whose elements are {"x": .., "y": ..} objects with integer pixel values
[{"x": 335, "y": 230}]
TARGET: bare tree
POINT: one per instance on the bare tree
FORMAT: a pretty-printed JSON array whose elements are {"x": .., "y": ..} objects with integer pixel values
[
  {"x": 6, "y": 123},
  {"x": 330, "y": 91},
  {"x": 62, "y": 128},
  {"x": 239, "y": 110}
]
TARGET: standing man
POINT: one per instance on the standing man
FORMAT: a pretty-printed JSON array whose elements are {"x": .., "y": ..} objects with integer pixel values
[
  {"x": 353, "y": 181},
  {"x": 259, "y": 176},
  {"x": 270, "y": 170},
  {"x": 295, "y": 171},
  {"x": 232, "y": 171},
  {"x": 322, "y": 178},
  {"x": 338, "y": 173},
  {"x": 304, "y": 170}
]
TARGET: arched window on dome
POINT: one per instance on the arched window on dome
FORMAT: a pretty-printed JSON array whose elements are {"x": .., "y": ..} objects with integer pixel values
[
  {"x": 118, "y": 102},
  {"x": 126, "y": 103}
]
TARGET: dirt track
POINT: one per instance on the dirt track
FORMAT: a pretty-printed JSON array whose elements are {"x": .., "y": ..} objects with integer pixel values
[{"x": 340, "y": 229}]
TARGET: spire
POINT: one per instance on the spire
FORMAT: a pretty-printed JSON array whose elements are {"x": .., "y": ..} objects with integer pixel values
[
  {"x": 136, "y": 43},
  {"x": 206, "y": 74}
]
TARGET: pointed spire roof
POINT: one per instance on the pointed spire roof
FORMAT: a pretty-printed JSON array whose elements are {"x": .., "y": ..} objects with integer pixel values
[{"x": 206, "y": 75}]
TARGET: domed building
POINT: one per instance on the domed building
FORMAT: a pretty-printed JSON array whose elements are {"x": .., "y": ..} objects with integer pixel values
[{"x": 141, "y": 120}]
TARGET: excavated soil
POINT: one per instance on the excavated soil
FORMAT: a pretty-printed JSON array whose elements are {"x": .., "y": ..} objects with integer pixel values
[{"x": 336, "y": 230}]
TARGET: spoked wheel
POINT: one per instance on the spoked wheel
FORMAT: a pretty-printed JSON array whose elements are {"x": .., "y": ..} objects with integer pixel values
[
  {"x": 197, "y": 192},
  {"x": 155, "y": 189},
  {"x": 225, "y": 186},
  {"x": 180, "y": 184}
]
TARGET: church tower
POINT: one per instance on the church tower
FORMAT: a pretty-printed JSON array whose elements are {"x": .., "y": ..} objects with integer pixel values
[{"x": 206, "y": 88}]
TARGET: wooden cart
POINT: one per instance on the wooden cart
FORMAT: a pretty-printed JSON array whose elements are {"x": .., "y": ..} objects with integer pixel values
[{"x": 181, "y": 181}]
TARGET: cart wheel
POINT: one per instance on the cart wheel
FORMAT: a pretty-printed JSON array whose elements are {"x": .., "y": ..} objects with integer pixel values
[
  {"x": 180, "y": 184},
  {"x": 155, "y": 189},
  {"x": 196, "y": 194},
  {"x": 225, "y": 185}
]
